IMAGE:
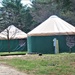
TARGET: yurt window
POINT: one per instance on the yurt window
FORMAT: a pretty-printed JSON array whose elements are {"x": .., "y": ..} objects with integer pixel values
[{"x": 22, "y": 42}]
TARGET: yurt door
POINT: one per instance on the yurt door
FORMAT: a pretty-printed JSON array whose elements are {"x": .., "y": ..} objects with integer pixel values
[{"x": 56, "y": 45}]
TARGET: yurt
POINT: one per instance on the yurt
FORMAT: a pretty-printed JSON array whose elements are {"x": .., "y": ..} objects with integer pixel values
[
  {"x": 13, "y": 39},
  {"x": 52, "y": 36}
]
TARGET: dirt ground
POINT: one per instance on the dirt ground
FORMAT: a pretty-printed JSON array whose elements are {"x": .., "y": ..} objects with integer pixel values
[{"x": 7, "y": 70}]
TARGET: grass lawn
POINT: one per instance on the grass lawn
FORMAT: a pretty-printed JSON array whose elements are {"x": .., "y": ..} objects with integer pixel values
[{"x": 53, "y": 64}]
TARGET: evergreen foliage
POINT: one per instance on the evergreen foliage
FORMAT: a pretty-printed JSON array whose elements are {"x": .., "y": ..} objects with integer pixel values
[
  {"x": 15, "y": 13},
  {"x": 26, "y": 19}
]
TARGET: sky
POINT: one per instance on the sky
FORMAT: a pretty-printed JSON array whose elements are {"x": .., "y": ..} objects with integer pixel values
[
  {"x": 0, "y": 3},
  {"x": 24, "y": 2},
  {"x": 0, "y": 0}
]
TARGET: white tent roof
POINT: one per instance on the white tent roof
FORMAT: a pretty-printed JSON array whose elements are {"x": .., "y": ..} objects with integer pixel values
[
  {"x": 2, "y": 36},
  {"x": 53, "y": 26},
  {"x": 14, "y": 33}
]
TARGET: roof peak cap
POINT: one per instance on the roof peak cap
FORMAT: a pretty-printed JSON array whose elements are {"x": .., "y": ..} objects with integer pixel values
[{"x": 53, "y": 16}]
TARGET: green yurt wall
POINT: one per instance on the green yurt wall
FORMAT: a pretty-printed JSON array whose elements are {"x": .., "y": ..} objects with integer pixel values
[
  {"x": 44, "y": 44},
  {"x": 40, "y": 44},
  {"x": 13, "y": 45}
]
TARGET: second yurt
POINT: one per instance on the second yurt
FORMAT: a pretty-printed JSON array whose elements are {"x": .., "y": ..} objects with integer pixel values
[{"x": 13, "y": 39}]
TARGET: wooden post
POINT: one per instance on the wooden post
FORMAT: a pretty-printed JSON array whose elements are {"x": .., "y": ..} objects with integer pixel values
[{"x": 8, "y": 40}]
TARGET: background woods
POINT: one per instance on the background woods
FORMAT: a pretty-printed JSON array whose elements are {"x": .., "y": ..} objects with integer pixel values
[{"x": 26, "y": 18}]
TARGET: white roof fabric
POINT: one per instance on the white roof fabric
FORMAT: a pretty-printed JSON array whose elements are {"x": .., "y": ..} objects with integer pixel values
[
  {"x": 14, "y": 33},
  {"x": 53, "y": 26},
  {"x": 2, "y": 36}
]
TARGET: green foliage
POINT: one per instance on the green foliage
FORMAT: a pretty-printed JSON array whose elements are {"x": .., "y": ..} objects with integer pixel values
[
  {"x": 17, "y": 14},
  {"x": 62, "y": 8},
  {"x": 42, "y": 1},
  {"x": 65, "y": 4}
]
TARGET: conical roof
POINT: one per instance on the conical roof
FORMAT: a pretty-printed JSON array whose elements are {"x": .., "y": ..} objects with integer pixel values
[
  {"x": 2, "y": 36},
  {"x": 13, "y": 32},
  {"x": 53, "y": 26}
]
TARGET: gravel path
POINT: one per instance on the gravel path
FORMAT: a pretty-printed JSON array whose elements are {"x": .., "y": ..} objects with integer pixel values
[{"x": 5, "y": 70}]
